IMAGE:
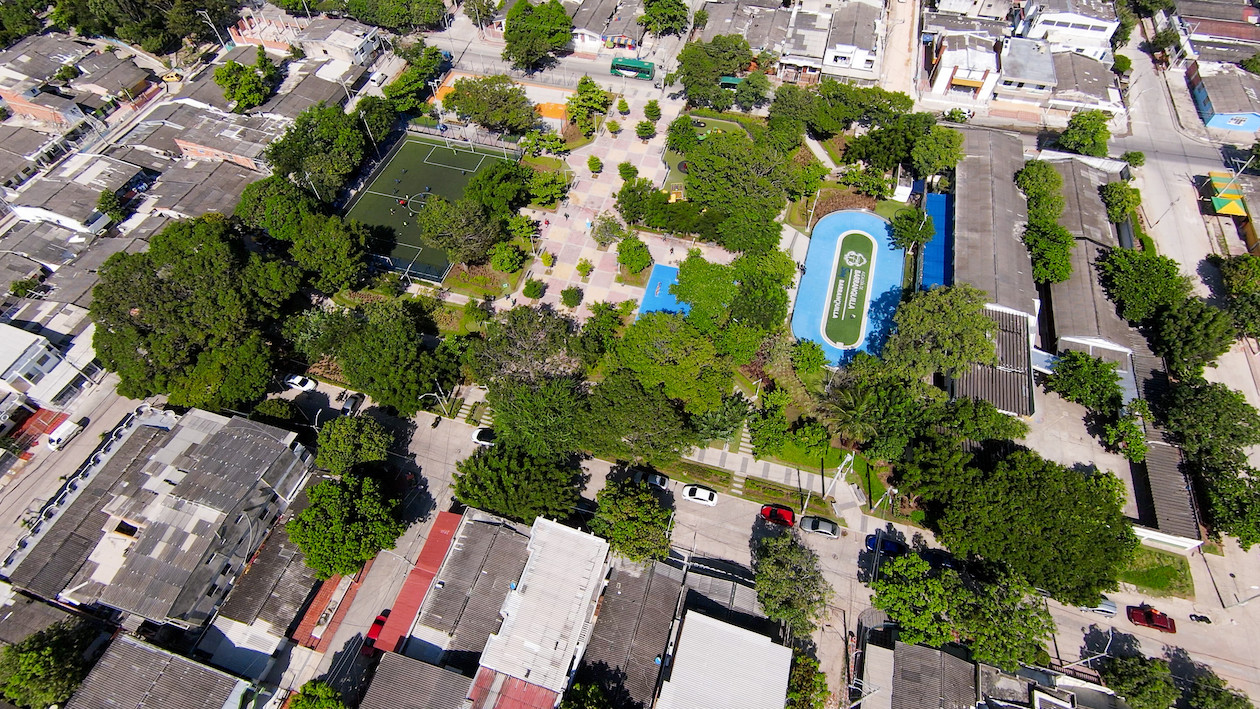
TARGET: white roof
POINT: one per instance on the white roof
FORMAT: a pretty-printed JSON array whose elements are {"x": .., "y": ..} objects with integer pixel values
[
  {"x": 14, "y": 342},
  {"x": 720, "y": 666},
  {"x": 548, "y": 615}
]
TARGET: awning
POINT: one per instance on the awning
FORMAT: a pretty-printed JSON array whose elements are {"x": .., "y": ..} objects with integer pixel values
[
  {"x": 1231, "y": 207},
  {"x": 966, "y": 82}
]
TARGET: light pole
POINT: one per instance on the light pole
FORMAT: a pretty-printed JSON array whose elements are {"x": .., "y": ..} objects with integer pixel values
[{"x": 206, "y": 16}]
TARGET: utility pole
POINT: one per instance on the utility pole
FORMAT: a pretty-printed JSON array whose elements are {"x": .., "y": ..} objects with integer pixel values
[{"x": 206, "y": 16}]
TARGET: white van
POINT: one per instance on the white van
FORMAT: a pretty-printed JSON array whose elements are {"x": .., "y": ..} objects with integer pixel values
[
  {"x": 64, "y": 433},
  {"x": 378, "y": 78}
]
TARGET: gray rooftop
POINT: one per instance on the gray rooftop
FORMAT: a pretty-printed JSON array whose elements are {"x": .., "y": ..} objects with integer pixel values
[
  {"x": 275, "y": 588},
  {"x": 1009, "y": 385},
  {"x": 1224, "y": 11},
  {"x": 318, "y": 84},
  {"x": 764, "y": 25},
  {"x": 608, "y": 17},
  {"x": 1080, "y": 307},
  {"x": 341, "y": 32},
  {"x": 1230, "y": 88},
  {"x": 1097, "y": 9},
  {"x": 24, "y": 616},
  {"x": 939, "y": 22},
  {"x": 717, "y": 664},
  {"x": 854, "y": 25},
  {"x": 403, "y": 683},
  {"x": 110, "y": 73},
  {"x": 136, "y": 675},
  {"x": 247, "y": 136},
  {"x": 16, "y": 268},
  {"x": 75, "y": 186},
  {"x": 39, "y": 56},
  {"x": 194, "y": 189},
  {"x": 926, "y": 678},
  {"x": 632, "y": 632},
  {"x": 23, "y": 142},
  {"x": 485, "y": 558},
  {"x": 47, "y": 243},
  {"x": 1082, "y": 75},
  {"x": 1028, "y": 60},
  {"x": 547, "y": 616},
  {"x": 989, "y": 251},
  {"x": 807, "y": 37}
]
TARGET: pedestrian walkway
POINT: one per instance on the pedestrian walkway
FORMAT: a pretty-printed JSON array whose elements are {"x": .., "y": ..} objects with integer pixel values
[{"x": 821, "y": 153}]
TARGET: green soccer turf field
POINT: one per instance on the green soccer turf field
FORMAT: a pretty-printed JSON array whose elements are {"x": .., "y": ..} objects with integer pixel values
[
  {"x": 419, "y": 168},
  {"x": 849, "y": 292}
]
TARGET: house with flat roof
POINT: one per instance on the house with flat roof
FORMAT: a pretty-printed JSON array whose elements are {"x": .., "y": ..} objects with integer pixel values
[
  {"x": 67, "y": 195},
  {"x": 605, "y": 24},
  {"x": 158, "y": 524},
  {"x": 203, "y": 134},
  {"x": 195, "y": 188},
  {"x": 716, "y": 664},
  {"x": 134, "y": 674},
  {"x": 853, "y": 46},
  {"x": 547, "y": 620},
  {"x": 112, "y": 76},
  {"x": 269, "y": 26},
  {"x": 34, "y": 60},
  {"x": 1027, "y": 72},
  {"x": 339, "y": 38},
  {"x": 1225, "y": 95},
  {"x": 311, "y": 82},
  {"x": 805, "y": 47},
  {"x": 24, "y": 152},
  {"x": 964, "y": 66},
  {"x": 764, "y": 23},
  {"x": 989, "y": 254},
  {"x": 1084, "y": 84},
  {"x": 1082, "y": 26},
  {"x": 400, "y": 681},
  {"x": 31, "y": 367}
]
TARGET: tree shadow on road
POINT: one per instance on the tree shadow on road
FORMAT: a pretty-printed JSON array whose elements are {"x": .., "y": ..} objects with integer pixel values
[
  {"x": 1098, "y": 640},
  {"x": 867, "y": 559}
]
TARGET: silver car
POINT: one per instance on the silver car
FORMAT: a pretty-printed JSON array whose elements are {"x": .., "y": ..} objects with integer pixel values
[
  {"x": 1106, "y": 607},
  {"x": 656, "y": 480},
  {"x": 820, "y": 525}
]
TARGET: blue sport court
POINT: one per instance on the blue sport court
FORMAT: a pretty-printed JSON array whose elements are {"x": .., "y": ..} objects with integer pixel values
[
  {"x": 657, "y": 298},
  {"x": 851, "y": 286}
]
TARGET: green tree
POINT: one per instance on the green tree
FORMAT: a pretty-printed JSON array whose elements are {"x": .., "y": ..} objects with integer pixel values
[
  {"x": 1143, "y": 682},
  {"x": 534, "y": 289},
  {"x": 333, "y": 251},
  {"x": 1127, "y": 436},
  {"x": 347, "y": 441},
  {"x": 275, "y": 412},
  {"x": 1120, "y": 200},
  {"x": 633, "y": 253},
  {"x": 571, "y": 297},
  {"x": 751, "y": 92},
  {"x": 807, "y": 685},
  {"x": 527, "y": 344},
  {"x": 1209, "y": 691},
  {"x": 548, "y": 188},
  {"x": 594, "y": 164},
  {"x": 507, "y": 258},
  {"x": 632, "y": 520},
  {"x": 662, "y": 17},
  {"x": 347, "y": 522},
  {"x": 542, "y": 419},
  {"x": 724, "y": 421},
  {"x": 585, "y": 696},
  {"x": 534, "y": 33},
  {"x": 652, "y": 110},
  {"x": 1088, "y": 381},
  {"x": 466, "y": 230},
  {"x": 507, "y": 481},
  {"x": 384, "y": 356},
  {"x": 242, "y": 86},
  {"x": 317, "y": 694},
  {"x": 681, "y": 135},
  {"x": 1212, "y": 422},
  {"x": 912, "y": 228},
  {"x": 1086, "y": 134},
  {"x": 1135, "y": 158},
  {"x": 606, "y": 230},
  {"x": 808, "y": 357},
  {"x": 871, "y": 181},
  {"x": 481, "y": 12},
  {"x": 494, "y": 102},
  {"x": 941, "y": 330},
  {"x": 709, "y": 288},
  {"x": 1164, "y": 40},
  {"x": 920, "y": 602},
  {"x": 46, "y": 667},
  {"x": 663, "y": 349},
  {"x": 701, "y": 65},
  {"x": 627, "y": 171},
  {"x": 939, "y": 150},
  {"x": 1241, "y": 274},
  {"x": 321, "y": 149},
  {"x": 1251, "y": 63},
  {"x": 276, "y": 206},
  {"x": 645, "y": 130},
  {"x": 630, "y": 421},
  {"x": 1191, "y": 335},
  {"x": 790, "y": 583},
  {"x": 410, "y": 91},
  {"x": 1141, "y": 283},
  {"x": 111, "y": 206},
  {"x": 502, "y": 189}
]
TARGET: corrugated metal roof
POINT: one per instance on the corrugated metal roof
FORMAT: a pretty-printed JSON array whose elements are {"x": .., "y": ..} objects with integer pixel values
[
  {"x": 633, "y": 628},
  {"x": 717, "y": 664},
  {"x": 548, "y": 615},
  {"x": 926, "y": 678},
  {"x": 135, "y": 675},
  {"x": 1009, "y": 385},
  {"x": 26, "y": 616},
  {"x": 989, "y": 251},
  {"x": 275, "y": 588},
  {"x": 496, "y": 690},
  {"x": 403, "y": 683},
  {"x": 407, "y": 604},
  {"x": 1170, "y": 491}
]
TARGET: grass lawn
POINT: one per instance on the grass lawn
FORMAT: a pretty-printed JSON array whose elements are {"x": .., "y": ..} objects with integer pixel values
[
  {"x": 814, "y": 382},
  {"x": 798, "y": 214},
  {"x": 834, "y": 147},
  {"x": 544, "y": 162},
  {"x": 1211, "y": 547},
  {"x": 638, "y": 280},
  {"x": 886, "y": 208},
  {"x": 480, "y": 281},
  {"x": 451, "y": 320},
  {"x": 1159, "y": 573},
  {"x": 767, "y": 492},
  {"x": 688, "y": 472},
  {"x": 795, "y": 456}
]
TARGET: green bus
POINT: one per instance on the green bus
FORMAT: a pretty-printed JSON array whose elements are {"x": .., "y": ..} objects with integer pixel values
[{"x": 633, "y": 68}]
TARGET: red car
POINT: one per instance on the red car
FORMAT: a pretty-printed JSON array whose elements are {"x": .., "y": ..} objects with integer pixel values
[
  {"x": 374, "y": 632},
  {"x": 778, "y": 514},
  {"x": 1148, "y": 617}
]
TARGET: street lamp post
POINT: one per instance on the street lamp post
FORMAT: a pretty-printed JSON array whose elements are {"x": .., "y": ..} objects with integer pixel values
[{"x": 206, "y": 16}]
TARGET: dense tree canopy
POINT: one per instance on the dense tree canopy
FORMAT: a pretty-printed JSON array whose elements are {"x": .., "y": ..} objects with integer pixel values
[
  {"x": 1086, "y": 134},
  {"x": 276, "y": 206},
  {"x": 321, "y": 150},
  {"x": 790, "y": 583},
  {"x": 348, "y": 522},
  {"x": 494, "y": 102},
  {"x": 1142, "y": 283},
  {"x": 912, "y": 228},
  {"x": 939, "y": 150},
  {"x": 534, "y": 33},
  {"x": 628, "y": 420},
  {"x": 941, "y": 330},
  {"x": 347, "y": 441},
  {"x": 1144, "y": 682},
  {"x": 701, "y": 65},
  {"x": 187, "y": 317},
  {"x": 541, "y": 418},
  {"x": 156, "y": 26},
  {"x": 663, "y": 349},
  {"x": 317, "y": 694},
  {"x": 410, "y": 91},
  {"x": 1088, "y": 381},
  {"x": 46, "y": 667},
  {"x": 662, "y": 17},
  {"x": 525, "y": 344},
  {"x": 509, "y": 482},
  {"x": 1191, "y": 335},
  {"x": 632, "y": 520}
]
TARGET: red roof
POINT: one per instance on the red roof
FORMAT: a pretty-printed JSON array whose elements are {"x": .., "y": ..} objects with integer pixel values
[
  {"x": 414, "y": 589},
  {"x": 493, "y": 690}
]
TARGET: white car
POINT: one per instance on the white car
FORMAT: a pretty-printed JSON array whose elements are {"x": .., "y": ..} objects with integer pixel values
[
  {"x": 656, "y": 480},
  {"x": 484, "y": 437},
  {"x": 820, "y": 525},
  {"x": 297, "y": 381},
  {"x": 700, "y": 494}
]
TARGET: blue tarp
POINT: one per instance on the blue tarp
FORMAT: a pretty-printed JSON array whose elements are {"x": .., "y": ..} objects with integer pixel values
[
  {"x": 938, "y": 255},
  {"x": 657, "y": 298}
]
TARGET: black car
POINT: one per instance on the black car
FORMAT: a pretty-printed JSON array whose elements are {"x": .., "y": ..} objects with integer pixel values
[
  {"x": 887, "y": 545},
  {"x": 939, "y": 559}
]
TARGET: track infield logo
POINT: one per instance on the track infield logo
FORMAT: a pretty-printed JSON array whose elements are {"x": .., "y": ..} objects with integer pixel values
[{"x": 844, "y": 318}]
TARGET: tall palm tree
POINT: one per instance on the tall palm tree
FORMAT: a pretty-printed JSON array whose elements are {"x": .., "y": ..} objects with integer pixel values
[{"x": 852, "y": 409}]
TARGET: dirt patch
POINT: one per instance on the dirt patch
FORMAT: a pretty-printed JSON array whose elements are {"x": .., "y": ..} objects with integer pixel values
[{"x": 834, "y": 199}]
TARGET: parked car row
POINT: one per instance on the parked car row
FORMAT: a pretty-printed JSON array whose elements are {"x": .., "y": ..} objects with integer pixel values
[{"x": 352, "y": 401}]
